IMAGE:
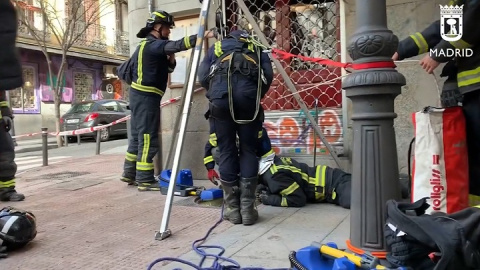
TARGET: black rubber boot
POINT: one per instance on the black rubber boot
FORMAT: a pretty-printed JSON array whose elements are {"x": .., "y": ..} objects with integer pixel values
[
  {"x": 10, "y": 195},
  {"x": 247, "y": 200},
  {"x": 130, "y": 182},
  {"x": 231, "y": 199},
  {"x": 148, "y": 186}
]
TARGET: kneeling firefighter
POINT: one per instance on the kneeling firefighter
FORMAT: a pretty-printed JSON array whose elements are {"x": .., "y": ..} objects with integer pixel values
[
  {"x": 17, "y": 228},
  {"x": 10, "y": 78},
  {"x": 147, "y": 73},
  {"x": 236, "y": 71}
]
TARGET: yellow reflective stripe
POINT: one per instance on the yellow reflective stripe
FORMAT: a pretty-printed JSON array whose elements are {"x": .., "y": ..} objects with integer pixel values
[
  {"x": 284, "y": 202},
  {"x": 469, "y": 77},
  {"x": 461, "y": 44},
  {"x": 7, "y": 184},
  {"x": 218, "y": 48},
  {"x": 269, "y": 153},
  {"x": 320, "y": 180},
  {"x": 260, "y": 133},
  {"x": 131, "y": 157},
  {"x": 420, "y": 42},
  {"x": 250, "y": 47},
  {"x": 208, "y": 160},
  {"x": 150, "y": 89},
  {"x": 140, "y": 62},
  {"x": 213, "y": 139},
  {"x": 186, "y": 40},
  {"x": 474, "y": 200},
  {"x": 144, "y": 166},
  {"x": 293, "y": 169},
  {"x": 290, "y": 189},
  {"x": 158, "y": 14},
  {"x": 146, "y": 147},
  {"x": 3, "y": 104}
]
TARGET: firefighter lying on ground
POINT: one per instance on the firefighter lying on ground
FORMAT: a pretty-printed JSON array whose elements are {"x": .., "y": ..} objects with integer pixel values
[
  {"x": 468, "y": 82},
  {"x": 10, "y": 78},
  {"x": 237, "y": 74},
  {"x": 286, "y": 182},
  {"x": 148, "y": 69},
  {"x": 420, "y": 43}
]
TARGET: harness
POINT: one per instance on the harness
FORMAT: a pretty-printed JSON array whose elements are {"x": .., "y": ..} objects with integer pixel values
[{"x": 239, "y": 61}]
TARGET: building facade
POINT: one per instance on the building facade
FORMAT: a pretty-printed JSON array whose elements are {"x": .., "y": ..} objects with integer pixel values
[{"x": 101, "y": 44}]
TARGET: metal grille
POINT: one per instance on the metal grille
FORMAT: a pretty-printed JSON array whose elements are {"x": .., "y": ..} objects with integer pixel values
[{"x": 308, "y": 28}]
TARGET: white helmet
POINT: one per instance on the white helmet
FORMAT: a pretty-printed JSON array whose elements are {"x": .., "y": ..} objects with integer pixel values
[{"x": 265, "y": 163}]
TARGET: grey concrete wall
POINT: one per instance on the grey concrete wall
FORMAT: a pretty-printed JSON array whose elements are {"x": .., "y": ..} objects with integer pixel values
[
  {"x": 406, "y": 17},
  {"x": 197, "y": 129}
]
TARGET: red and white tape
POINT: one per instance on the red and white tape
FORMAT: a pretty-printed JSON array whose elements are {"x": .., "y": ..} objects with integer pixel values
[{"x": 93, "y": 129}]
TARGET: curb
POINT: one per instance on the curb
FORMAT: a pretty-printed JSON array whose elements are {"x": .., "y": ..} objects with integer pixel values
[{"x": 19, "y": 149}]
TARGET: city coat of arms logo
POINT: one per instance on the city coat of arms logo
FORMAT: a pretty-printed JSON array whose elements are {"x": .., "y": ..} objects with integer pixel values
[{"x": 451, "y": 17}]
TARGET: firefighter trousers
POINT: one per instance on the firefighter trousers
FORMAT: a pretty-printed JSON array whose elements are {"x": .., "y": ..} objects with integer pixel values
[
  {"x": 471, "y": 110},
  {"x": 143, "y": 144},
  {"x": 8, "y": 167},
  {"x": 341, "y": 190},
  {"x": 242, "y": 160}
]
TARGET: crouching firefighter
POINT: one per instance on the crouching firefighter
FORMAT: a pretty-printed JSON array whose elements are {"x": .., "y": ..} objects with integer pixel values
[
  {"x": 10, "y": 78},
  {"x": 289, "y": 183},
  {"x": 147, "y": 73},
  {"x": 237, "y": 74},
  {"x": 17, "y": 228}
]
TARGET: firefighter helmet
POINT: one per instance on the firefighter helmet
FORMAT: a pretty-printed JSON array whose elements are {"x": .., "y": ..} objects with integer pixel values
[
  {"x": 161, "y": 17},
  {"x": 17, "y": 228}
]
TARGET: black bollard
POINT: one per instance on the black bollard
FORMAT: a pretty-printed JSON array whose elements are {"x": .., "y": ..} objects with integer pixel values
[{"x": 45, "y": 146}]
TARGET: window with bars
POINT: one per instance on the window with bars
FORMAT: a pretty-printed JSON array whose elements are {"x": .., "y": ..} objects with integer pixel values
[
  {"x": 25, "y": 99},
  {"x": 83, "y": 84}
]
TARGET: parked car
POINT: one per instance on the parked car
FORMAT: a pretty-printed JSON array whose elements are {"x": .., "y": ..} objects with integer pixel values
[{"x": 92, "y": 113}]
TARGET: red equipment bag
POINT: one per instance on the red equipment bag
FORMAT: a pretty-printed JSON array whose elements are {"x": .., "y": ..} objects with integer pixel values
[{"x": 440, "y": 165}]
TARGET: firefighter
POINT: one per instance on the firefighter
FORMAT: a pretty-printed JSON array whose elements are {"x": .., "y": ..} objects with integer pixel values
[
  {"x": 420, "y": 43},
  {"x": 10, "y": 78},
  {"x": 237, "y": 74},
  {"x": 468, "y": 81},
  {"x": 151, "y": 63}
]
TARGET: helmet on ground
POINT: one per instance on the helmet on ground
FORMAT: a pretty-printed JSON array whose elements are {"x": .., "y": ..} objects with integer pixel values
[
  {"x": 160, "y": 17},
  {"x": 17, "y": 228},
  {"x": 265, "y": 163}
]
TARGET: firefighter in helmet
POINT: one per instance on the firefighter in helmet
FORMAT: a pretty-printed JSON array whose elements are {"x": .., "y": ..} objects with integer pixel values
[
  {"x": 237, "y": 74},
  {"x": 10, "y": 78},
  {"x": 151, "y": 63}
]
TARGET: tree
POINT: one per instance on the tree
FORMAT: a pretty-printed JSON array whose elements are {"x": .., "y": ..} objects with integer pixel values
[{"x": 66, "y": 25}]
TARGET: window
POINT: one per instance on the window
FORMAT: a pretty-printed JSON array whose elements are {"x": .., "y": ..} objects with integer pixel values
[
  {"x": 25, "y": 99},
  {"x": 81, "y": 108},
  {"x": 111, "y": 106},
  {"x": 183, "y": 27},
  {"x": 83, "y": 86}
]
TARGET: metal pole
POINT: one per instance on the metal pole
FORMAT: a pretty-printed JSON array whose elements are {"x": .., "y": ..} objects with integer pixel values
[
  {"x": 287, "y": 80},
  {"x": 164, "y": 231},
  {"x": 97, "y": 148},
  {"x": 65, "y": 140},
  {"x": 45, "y": 146},
  {"x": 175, "y": 130},
  {"x": 372, "y": 92},
  {"x": 78, "y": 139},
  {"x": 314, "y": 135}
]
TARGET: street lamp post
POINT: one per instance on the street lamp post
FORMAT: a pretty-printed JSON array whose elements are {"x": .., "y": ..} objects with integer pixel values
[{"x": 372, "y": 92}]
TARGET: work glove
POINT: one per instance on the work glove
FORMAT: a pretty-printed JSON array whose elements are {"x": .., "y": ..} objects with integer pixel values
[
  {"x": 8, "y": 122},
  {"x": 263, "y": 197},
  {"x": 212, "y": 175}
]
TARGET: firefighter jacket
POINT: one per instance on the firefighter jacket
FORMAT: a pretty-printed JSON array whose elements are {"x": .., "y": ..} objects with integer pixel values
[
  {"x": 293, "y": 184},
  {"x": 421, "y": 42},
  {"x": 245, "y": 69},
  {"x": 10, "y": 66},
  {"x": 413, "y": 236},
  {"x": 151, "y": 65},
  {"x": 468, "y": 76}
]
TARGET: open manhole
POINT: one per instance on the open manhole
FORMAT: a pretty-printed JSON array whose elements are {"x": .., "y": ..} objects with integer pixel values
[{"x": 63, "y": 175}]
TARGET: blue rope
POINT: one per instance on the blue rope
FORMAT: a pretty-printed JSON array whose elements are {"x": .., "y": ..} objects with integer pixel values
[{"x": 218, "y": 258}]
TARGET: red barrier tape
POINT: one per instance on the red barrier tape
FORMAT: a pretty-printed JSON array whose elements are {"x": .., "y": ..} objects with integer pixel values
[{"x": 327, "y": 62}]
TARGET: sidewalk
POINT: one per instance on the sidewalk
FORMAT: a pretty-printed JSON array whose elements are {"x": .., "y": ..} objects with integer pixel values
[{"x": 88, "y": 219}]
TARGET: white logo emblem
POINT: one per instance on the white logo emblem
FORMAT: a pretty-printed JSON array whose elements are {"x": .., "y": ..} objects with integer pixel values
[
  {"x": 451, "y": 17},
  {"x": 109, "y": 88}
]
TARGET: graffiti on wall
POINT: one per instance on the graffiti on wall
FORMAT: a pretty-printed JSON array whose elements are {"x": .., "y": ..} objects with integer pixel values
[{"x": 292, "y": 133}]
